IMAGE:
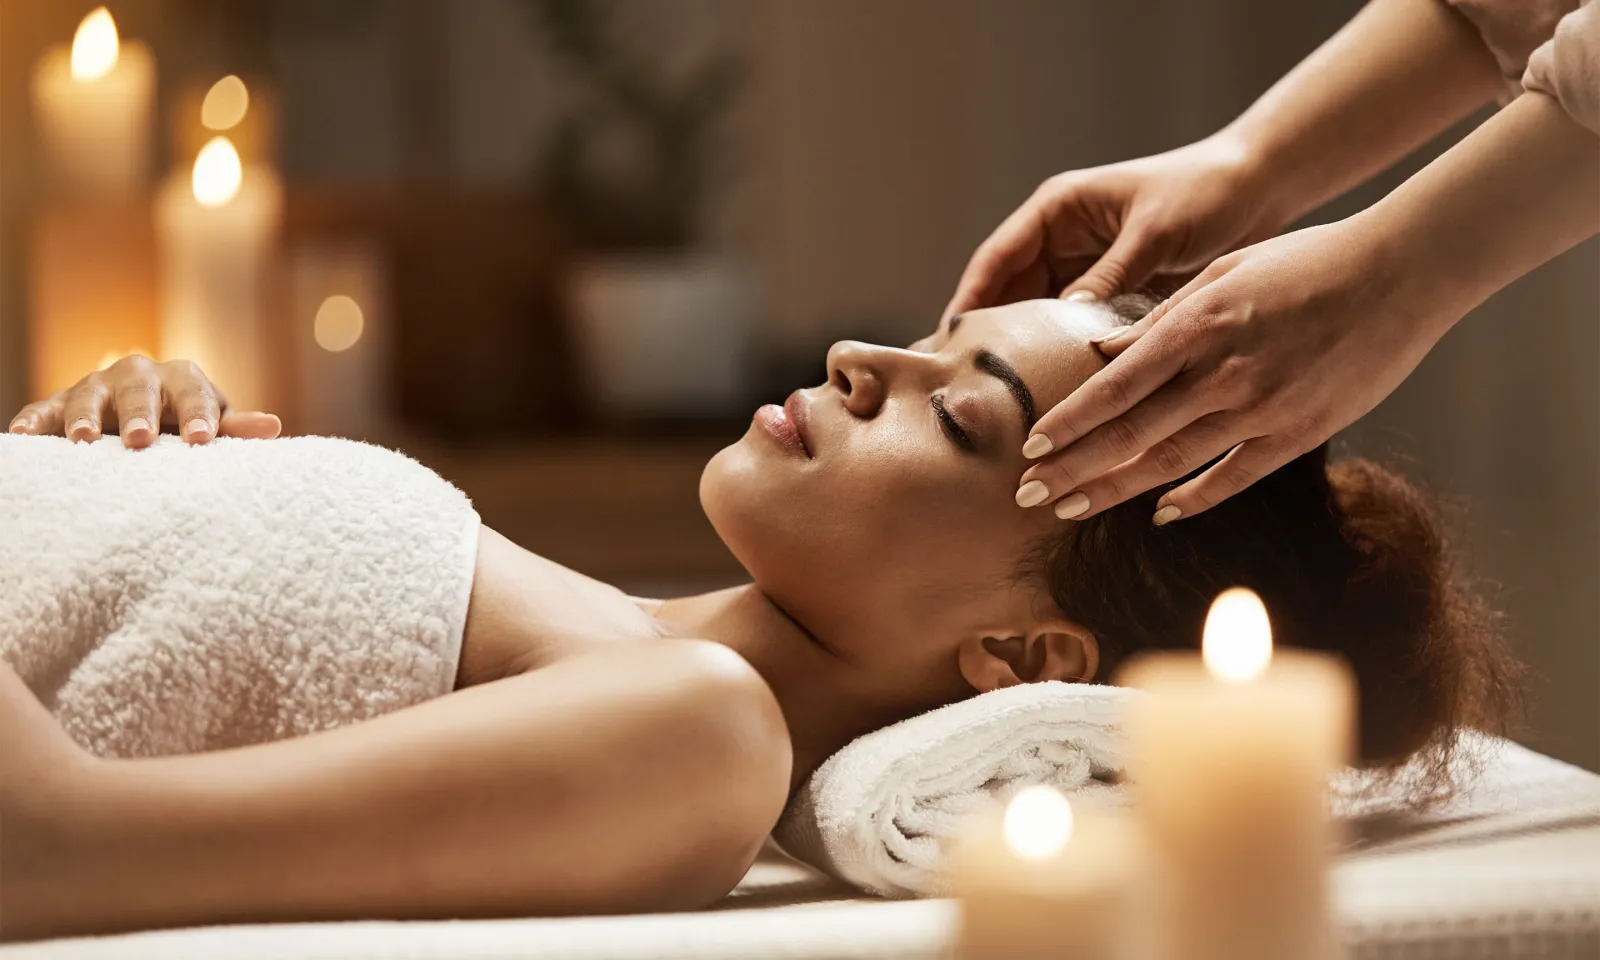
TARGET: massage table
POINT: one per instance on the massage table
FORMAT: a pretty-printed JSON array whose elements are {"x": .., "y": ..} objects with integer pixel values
[{"x": 1510, "y": 868}]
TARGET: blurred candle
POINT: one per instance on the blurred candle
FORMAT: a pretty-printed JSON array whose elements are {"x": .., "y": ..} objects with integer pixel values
[
  {"x": 1043, "y": 882},
  {"x": 93, "y": 102},
  {"x": 217, "y": 228},
  {"x": 339, "y": 322},
  {"x": 1230, "y": 755},
  {"x": 91, "y": 289}
]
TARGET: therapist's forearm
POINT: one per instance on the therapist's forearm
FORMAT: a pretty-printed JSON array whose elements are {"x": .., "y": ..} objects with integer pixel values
[
  {"x": 1399, "y": 73},
  {"x": 1522, "y": 188}
]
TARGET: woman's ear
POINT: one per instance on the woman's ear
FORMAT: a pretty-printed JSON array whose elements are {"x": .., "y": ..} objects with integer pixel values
[{"x": 1052, "y": 650}]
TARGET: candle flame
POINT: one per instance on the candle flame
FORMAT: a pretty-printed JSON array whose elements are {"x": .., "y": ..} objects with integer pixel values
[
  {"x": 1038, "y": 823},
  {"x": 1237, "y": 646},
  {"x": 338, "y": 324},
  {"x": 94, "y": 46},
  {"x": 225, "y": 104},
  {"x": 217, "y": 173}
]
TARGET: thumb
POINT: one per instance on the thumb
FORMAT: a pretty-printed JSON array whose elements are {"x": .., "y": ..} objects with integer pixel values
[
  {"x": 249, "y": 425},
  {"x": 1114, "y": 344},
  {"x": 1133, "y": 257}
]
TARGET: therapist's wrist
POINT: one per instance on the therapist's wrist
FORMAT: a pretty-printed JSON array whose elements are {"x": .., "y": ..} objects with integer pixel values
[
  {"x": 1263, "y": 177},
  {"x": 1414, "y": 284}
]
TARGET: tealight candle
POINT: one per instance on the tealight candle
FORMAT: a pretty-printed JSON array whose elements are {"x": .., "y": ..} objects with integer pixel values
[
  {"x": 93, "y": 104},
  {"x": 1043, "y": 882},
  {"x": 1230, "y": 755}
]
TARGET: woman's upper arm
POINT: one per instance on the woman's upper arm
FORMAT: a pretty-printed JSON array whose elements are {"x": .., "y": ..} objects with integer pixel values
[{"x": 642, "y": 777}]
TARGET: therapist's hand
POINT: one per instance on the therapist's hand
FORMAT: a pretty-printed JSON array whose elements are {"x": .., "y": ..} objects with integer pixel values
[
  {"x": 1262, "y": 357},
  {"x": 1109, "y": 230},
  {"x": 137, "y": 397}
]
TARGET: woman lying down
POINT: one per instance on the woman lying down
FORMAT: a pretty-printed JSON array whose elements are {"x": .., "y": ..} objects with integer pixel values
[{"x": 294, "y": 680}]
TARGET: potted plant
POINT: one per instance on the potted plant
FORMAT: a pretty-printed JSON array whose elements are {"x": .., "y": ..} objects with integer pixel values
[{"x": 663, "y": 326}]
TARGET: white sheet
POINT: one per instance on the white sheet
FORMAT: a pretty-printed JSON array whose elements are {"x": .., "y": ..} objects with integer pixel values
[{"x": 1510, "y": 870}]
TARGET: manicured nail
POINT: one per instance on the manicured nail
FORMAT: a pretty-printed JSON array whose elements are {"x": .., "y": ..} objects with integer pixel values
[
  {"x": 1071, "y": 505},
  {"x": 1166, "y": 515},
  {"x": 1037, "y": 446},
  {"x": 197, "y": 428},
  {"x": 19, "y": 425},
  {"x": 137, "y": 427},
  {"x": 80, "y": 425},
  {"x": 1081, "y": 296},
  {"x": 1032, "y": 493}
]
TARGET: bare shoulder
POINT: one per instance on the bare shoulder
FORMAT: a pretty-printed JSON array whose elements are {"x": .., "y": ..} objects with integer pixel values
[{"x": 720, "y": 750}]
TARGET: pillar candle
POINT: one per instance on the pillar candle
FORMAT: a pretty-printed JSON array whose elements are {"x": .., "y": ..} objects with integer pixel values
[
  {"x": 93, "y": 104},
  {"x": 1230, "y": 755},
  {"x": 218, "y": 231},
  {"x": 1041, "y": 882},
  {"x": 340, "y": 327},
  {"x": 91, "y": 290}
]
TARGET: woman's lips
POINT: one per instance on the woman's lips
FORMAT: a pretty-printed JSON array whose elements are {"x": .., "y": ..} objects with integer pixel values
[{"x": 787, "y": 424}]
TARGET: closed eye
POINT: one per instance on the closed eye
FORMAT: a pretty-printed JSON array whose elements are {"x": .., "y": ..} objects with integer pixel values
[{"x": 951, "y": 428}]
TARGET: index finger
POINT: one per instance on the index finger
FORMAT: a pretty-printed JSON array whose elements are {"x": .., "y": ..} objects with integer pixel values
[{"x": 1112, "y": 391}]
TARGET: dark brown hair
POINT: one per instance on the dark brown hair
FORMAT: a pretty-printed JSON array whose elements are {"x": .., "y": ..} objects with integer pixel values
[{"x": 1348, "y": 557}]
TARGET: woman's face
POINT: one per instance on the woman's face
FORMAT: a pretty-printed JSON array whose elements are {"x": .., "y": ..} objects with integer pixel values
[{"x": 878, "y": 509}]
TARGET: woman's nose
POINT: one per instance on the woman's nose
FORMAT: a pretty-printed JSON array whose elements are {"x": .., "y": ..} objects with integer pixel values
[{"x": 863, "y": 372}]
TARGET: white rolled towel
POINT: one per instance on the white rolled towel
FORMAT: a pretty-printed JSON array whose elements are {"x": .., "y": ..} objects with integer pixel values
[{"x": 878, "y": 813}]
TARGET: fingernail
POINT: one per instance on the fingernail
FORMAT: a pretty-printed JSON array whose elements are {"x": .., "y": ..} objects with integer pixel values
[
  {"x": 198, "y": 427},
  {"x": 138, "y": 426},
  {"x": 1037, "y": 446},
  {"x": 1071, "y": 505},
  {"x": 1081, "y": 296},
  {"x": 81, "y": 424},
  {"x": 1032, "y": 493},
  {"x": 1166, "y": 515},
  {"x": 1116, "y": 334},
  {"x": 19, "y": 426}
]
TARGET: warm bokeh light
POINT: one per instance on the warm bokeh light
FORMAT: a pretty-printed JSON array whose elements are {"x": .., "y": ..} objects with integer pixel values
[
  {"x": 338, "y": 324},
  {"x": 94, "y": 46},
  {"x": 112, "y": 356},
  {"x": 225, "y": 104},
  {"x": 217, "y": 173},
  {"x": 1038, "y": 823},
  {"x": 1237, "y": 645}
]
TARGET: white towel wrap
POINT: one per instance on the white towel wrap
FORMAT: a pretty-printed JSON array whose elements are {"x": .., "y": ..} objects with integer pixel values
[{"x": 180, "y": 598}]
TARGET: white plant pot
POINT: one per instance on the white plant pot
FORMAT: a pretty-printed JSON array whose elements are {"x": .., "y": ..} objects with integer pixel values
[{"x": 663, "y": 337}]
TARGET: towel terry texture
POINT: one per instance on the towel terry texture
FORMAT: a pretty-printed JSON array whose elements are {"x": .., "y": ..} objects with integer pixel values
[
  {"x": 877, "y": 813},
  {"x": 179, "y": 598}
]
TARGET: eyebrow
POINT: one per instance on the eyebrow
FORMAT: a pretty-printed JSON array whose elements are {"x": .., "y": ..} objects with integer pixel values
[
  {"x": 1007, "y": 374},
  {"x": 955, "y": 321}
]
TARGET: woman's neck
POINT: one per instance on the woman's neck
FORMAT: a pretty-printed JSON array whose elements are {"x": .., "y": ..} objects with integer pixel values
[{"x": 824, "y": 701}]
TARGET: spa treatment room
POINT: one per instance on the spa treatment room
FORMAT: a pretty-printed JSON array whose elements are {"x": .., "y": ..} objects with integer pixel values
[{"x": 808, "y": 479}]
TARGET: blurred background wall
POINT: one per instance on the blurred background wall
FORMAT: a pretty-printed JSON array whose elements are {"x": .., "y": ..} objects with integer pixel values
[{"x": 872, "y": 145}]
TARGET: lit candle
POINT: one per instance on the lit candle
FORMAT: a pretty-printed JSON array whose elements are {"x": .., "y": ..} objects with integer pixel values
[
  {"x": 339, "y": 323},
  {"x": 1042, "y": 882},
  {"x": 218, "y": 231},
  {"x": 1230, "y": 755},
  {"x": 93, "y": 103}
]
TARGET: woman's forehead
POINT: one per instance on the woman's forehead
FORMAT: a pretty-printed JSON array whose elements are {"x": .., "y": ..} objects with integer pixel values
[{"x": 1046, "y": 340}]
